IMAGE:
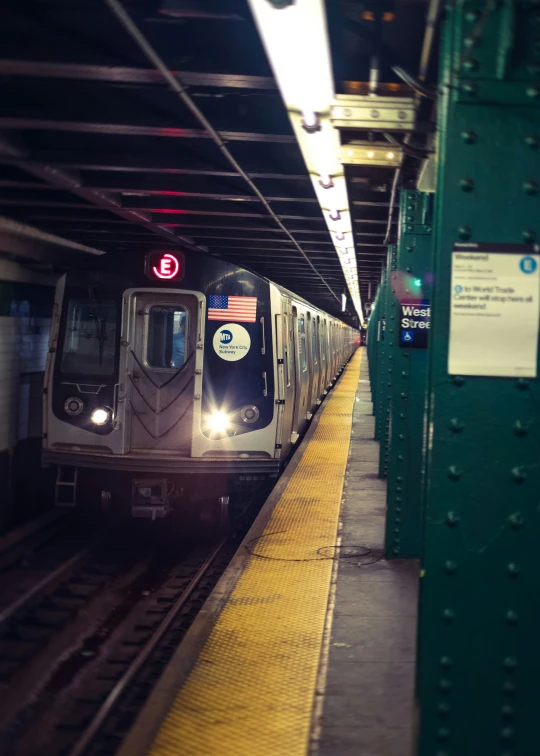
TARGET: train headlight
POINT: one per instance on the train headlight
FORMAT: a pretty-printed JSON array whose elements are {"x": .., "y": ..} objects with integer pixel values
[
  {"x": 100, "y": 416},
  {"x": 73, "y": 405},
  {"x": 218, "y": 422},
  {"x": 250, "y": 414}
]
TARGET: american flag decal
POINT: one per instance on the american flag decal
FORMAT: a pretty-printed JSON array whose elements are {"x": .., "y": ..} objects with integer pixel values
[{"x": 233, "y": 309}]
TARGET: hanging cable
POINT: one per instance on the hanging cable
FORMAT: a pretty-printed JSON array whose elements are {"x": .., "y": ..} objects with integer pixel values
[
  {"x": 179, "y": 89},
  {"x": 393, "y": 193},
  {"x": 415, "y": 84}
]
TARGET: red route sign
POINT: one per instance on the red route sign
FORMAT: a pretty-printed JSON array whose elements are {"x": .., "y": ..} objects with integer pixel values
[{"x": 164, "y": 266}]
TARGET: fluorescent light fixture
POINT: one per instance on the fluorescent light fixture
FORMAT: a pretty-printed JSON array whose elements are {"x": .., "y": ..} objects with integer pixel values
[
  {"x": 371, "y": 153},
  {"x": 343, "y": 302},
  {"x": 326, "y": 181},
  {"x": 295, "y": 38}
]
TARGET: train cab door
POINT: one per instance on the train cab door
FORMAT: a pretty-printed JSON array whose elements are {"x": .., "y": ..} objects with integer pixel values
[
  {"x": 301, "y": 373},
  {"x": 285, "y": 371},
  {"x": 160, "y": 346}
]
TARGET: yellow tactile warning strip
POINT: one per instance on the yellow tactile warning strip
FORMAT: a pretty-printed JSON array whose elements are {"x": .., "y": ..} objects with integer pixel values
[{"x": 251, "y": 691}]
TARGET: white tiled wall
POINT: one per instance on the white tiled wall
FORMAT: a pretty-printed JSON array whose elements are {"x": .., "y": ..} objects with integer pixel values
[
  {"x": 23, "y": 352},
  {"x": 9, "y": 380},
  {"x": 24, "y": 341}
]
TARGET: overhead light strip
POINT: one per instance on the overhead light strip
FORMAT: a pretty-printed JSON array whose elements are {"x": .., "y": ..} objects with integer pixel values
[{"x": 295, "y": 38}]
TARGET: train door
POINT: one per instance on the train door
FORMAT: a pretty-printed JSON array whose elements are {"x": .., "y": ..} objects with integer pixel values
[
  {"x": 334, "y": 352},
  {"x": 309, "y": 356},
  {"x": 162, "y": 335},
  {"x": 301, "y": 373},
  {"x": 323, "y": 341},
  {"x": 314, "y": 362},
  {"x": 286, "y": 378}
]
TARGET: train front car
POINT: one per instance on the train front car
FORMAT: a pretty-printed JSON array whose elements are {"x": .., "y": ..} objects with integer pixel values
[{"x": 160, "y": 385}]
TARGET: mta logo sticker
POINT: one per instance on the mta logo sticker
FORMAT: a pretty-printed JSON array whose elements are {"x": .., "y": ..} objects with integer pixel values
[
  {"x": 528, "y": 264},
  {"x": 231, "y": 342}
]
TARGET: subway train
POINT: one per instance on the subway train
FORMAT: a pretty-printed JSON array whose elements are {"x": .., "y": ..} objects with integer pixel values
[{"x": 178, "y": 380}]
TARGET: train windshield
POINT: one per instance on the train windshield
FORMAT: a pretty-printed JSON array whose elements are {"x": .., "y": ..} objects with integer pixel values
[
  {"x": 90, "y": 337},
  {"x": 166, "y": 343}
]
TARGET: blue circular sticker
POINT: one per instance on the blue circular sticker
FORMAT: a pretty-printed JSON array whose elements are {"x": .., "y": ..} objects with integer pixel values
[{"x": 527, "y": 264}]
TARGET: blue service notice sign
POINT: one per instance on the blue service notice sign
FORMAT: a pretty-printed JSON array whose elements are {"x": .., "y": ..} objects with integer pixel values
[{"x": 414, "y": 324}]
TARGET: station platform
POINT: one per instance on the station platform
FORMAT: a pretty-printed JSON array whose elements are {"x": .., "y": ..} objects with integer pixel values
[{"x": 307, "y": 643}]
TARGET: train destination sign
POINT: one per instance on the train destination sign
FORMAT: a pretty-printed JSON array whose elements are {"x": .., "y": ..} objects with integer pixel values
[
  {"x": 165, "y": 266},
  {"x": 414, "y": 323},
  {"x": 494, "y": 310}
]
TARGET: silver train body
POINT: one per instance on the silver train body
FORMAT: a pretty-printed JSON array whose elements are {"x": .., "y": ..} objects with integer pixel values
[{"x": 127, "y": 420}]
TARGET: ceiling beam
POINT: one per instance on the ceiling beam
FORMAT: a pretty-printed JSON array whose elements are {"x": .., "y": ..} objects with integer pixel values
[
  {"x": 71, "y": 182},
  {"x": 129, "y": 75},
  {"x": 136, "y": 192},
  {"x": 21, "y": 241},
  {"x": 177, "y": 171},
  {"x": 125, "y": 129}
]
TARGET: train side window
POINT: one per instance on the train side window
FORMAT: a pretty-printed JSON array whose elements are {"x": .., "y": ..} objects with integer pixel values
[
  {"x": 286, "y": 351},
  {"x": 314, "y": 327},
  {"x": 290, "y": 347},
  {"x": 166, "y": 342},
  {"x": 302, "y": 343},
  {"x": 323, "y": 349}
]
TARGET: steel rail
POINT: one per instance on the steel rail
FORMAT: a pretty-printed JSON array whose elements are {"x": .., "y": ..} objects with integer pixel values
[
  {"x": 25, "y": 598},
  {"x": 97, "y": 722}
]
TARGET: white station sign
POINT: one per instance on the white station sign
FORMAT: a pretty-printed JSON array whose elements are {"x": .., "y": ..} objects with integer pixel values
[{"x": 494, "y": 310}]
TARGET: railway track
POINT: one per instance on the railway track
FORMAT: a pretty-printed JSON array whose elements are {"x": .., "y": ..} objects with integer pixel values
[
  {"x": 81, "y": 650},
  {"x": 157, "y": 635},
  {"x": 17, "y": 544}
]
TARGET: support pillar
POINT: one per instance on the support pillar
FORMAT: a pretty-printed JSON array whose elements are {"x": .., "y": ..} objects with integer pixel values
[
  {"x": 479, "y": 620},
  {"x": 411, "y": 285}
]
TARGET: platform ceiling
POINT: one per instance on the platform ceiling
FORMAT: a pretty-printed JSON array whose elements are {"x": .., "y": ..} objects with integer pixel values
[{"x": 94, "y": 147}]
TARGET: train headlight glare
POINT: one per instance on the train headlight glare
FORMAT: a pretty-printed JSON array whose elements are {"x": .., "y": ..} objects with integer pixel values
[
  {"x": 100, "y": 416},
  {"x": 218, "y": 422}
]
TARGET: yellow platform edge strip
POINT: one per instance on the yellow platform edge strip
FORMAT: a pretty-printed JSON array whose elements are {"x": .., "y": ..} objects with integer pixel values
[{"x": 251, "y": 691}]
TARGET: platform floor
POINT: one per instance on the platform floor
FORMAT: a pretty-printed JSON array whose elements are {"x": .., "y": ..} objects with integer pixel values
[
  {"x": 368, "y": 694},
  {"x": 306, "y": 646}
]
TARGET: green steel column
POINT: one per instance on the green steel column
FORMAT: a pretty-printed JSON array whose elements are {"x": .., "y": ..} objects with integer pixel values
[
  {"x": 379, "y": 405},
  {"x": 411, "y": 284},
  {"x": 386, "y": 365},
  {"x": 372, "y": 346},
  {"x": 479, "y": 620}
]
